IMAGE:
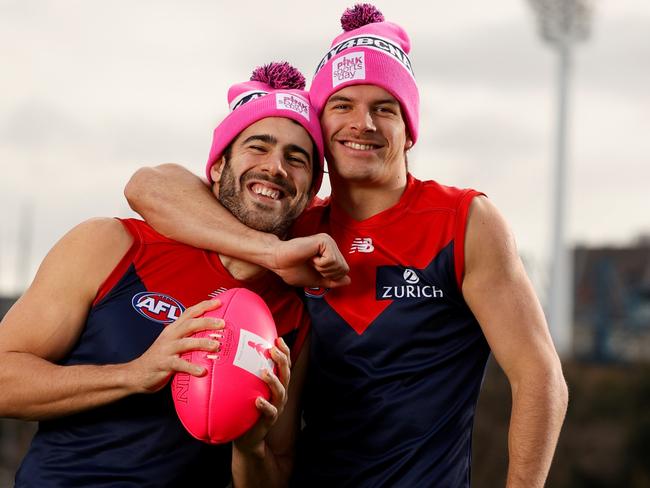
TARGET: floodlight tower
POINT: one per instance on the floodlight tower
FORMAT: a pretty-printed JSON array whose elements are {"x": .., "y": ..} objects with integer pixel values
[{"x": 562, "y": 23}]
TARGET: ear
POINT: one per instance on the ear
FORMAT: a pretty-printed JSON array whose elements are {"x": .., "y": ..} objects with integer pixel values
[
  {"x": 409, "y": 144},
  {"x": 217, "y": 170}
]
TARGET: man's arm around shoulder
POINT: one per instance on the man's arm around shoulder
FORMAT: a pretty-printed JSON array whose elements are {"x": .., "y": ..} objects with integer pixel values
[{"x": 181, "y": 206}]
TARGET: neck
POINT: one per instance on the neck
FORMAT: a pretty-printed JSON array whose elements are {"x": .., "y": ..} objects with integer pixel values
[
  {"x": 362, "y": 200},
  {"x": 241, "y": 270}
]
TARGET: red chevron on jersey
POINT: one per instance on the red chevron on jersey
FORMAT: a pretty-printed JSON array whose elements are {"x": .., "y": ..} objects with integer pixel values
[
  {"x": 356, "y": 302},
  {"x": 394, "y": 237},
  {"x": 398, "y": 356}
]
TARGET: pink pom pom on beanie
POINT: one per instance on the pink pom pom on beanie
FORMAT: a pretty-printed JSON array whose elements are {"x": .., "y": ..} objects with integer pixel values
[
  {"x": 274, "y": 90},
  {"x": 370, "y": 51}
]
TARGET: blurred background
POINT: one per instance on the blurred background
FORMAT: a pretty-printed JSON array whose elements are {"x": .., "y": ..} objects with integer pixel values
[{"x": 542, "y": 104}]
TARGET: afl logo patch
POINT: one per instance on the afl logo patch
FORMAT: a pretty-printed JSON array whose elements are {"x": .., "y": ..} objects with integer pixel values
[
  {"x": 317, "y": 292},
  {"x": 157, "y": 307}
]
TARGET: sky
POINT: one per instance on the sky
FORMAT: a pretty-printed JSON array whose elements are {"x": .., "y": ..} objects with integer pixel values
[{"x": 90, "y": 91}]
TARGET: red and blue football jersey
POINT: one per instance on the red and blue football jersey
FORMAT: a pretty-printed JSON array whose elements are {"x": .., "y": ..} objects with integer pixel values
[
  {"x": 397, "y": 357},
  {"x": 139, "y": 441}
]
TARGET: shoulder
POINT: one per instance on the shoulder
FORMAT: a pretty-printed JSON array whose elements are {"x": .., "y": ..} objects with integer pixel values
[
  {"x": 489, "y": 241},
  {"x": 433, "y": 193},
  {"x": 87, "y": 253},
  {"x": 96, "y": 236},
  {"x": 484, "y": 217}
]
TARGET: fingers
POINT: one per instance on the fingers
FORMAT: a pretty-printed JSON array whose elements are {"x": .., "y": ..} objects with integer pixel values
[
  {"x": 197, "y": 344},
  {"x": 192, "y": 326},
  {"x": 200, "y": 308},
  {"x": 179, "y": 365},
  {"x": 284, "y": 349},
  {"x": 329, "y": 262},
  {"x": 278, "y": 391},
  {"x": 192, "y": 321},
  {"x": 282, "y": 358},
  {"x": 267, "y": 409}
]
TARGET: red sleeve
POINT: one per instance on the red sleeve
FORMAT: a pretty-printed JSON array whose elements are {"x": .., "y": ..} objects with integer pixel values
[
  {"x": 459, "y": 234},
  {"x": 119, "y": 270}
]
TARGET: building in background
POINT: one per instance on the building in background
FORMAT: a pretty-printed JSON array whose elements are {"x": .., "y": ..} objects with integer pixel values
[
  {"x": 5, "y": 304},
  {"x": 612, "y": 303}
]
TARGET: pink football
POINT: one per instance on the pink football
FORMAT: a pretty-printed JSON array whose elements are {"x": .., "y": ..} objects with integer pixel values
[{"x": 220, "y": 406}]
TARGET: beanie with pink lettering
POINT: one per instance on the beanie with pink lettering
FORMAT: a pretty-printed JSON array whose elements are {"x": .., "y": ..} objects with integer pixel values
[
  {"x": 274, "y": 90},
  {"x": 370, "y": 51}
]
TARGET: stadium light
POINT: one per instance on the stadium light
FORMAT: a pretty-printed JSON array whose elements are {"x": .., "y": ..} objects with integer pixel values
[{"x": 562, "y": 23}]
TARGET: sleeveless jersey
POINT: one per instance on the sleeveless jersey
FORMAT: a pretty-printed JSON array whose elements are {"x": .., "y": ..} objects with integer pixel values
[
  {"x": 397, "y": 358},
  {"x": 139, "y": 441}
]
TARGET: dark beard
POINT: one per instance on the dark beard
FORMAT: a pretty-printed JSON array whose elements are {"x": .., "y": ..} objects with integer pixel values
[{"x": 258, "y": 219}]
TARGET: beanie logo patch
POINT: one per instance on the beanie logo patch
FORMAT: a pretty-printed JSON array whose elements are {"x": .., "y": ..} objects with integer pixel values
[
  {"x": 377, "y": 43},
  {"x": 246, "y": 97},
  {"x": 289, "y": 101},
  {"x": 350, "y": 66}
]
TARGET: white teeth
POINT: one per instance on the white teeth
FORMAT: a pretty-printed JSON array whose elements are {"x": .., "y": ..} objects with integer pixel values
[
  {"x": 360, "y": 147},
  {"x": 267, "y": 192}
]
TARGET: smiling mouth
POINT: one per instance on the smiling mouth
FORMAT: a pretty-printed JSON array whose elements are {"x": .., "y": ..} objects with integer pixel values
[
  {"x": 360, "y": 147},
  {"x": 265, "y": 191}
]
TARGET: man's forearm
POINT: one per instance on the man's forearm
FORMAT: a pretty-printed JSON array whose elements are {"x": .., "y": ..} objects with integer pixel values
[
  {"x": 40, "y": 389},
  {"x": 538, "y": 409},
  {"x": 181, "y": 206},
  {"x": 259, "y": 468}
]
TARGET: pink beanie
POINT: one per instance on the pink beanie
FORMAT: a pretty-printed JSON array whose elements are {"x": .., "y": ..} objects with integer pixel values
[
  {"x": 371, "y": 51},
  {"x": 274, "y": 90}
]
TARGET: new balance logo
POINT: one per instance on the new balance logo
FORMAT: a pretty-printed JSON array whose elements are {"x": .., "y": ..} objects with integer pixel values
[{"x": 361, "y": 244}]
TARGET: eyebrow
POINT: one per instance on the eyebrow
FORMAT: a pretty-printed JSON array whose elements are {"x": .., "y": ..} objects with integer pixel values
[
  {"x": 387, "y": 101},
  {"x": 269, "y": 139},
  {"x": 340, "y": 98},
  {"x": 298, "y": 149}
]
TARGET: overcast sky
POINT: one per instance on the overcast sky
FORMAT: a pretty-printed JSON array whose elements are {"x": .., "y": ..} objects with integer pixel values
[{"x": 90, "y": 91}]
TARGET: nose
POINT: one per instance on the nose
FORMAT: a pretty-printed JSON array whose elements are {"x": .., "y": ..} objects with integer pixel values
[
  {"x": 274, "y": 164},
  {"x": 362, "y": 121}
]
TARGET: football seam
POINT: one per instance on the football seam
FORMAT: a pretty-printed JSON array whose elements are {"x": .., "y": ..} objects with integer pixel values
[{"x": 212, "y": 385}]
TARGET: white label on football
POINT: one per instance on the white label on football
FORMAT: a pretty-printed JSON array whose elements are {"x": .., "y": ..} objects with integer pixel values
[{"x": 253, "y": 353}]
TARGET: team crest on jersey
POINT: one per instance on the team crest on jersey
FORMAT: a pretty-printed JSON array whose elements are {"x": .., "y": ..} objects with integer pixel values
[
  {"x": 157, "y": 307},
  {"x": 316, "y": 292}
]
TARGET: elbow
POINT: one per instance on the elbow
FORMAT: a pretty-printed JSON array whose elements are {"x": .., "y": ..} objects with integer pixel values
[
  {"x": 563, "y": 394},
  {"x": 556, "y": 389},
  {"x": 137, "y": 187},
  {"x": 9, "y": 407},
  {"x": 544, "y": 382}
]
